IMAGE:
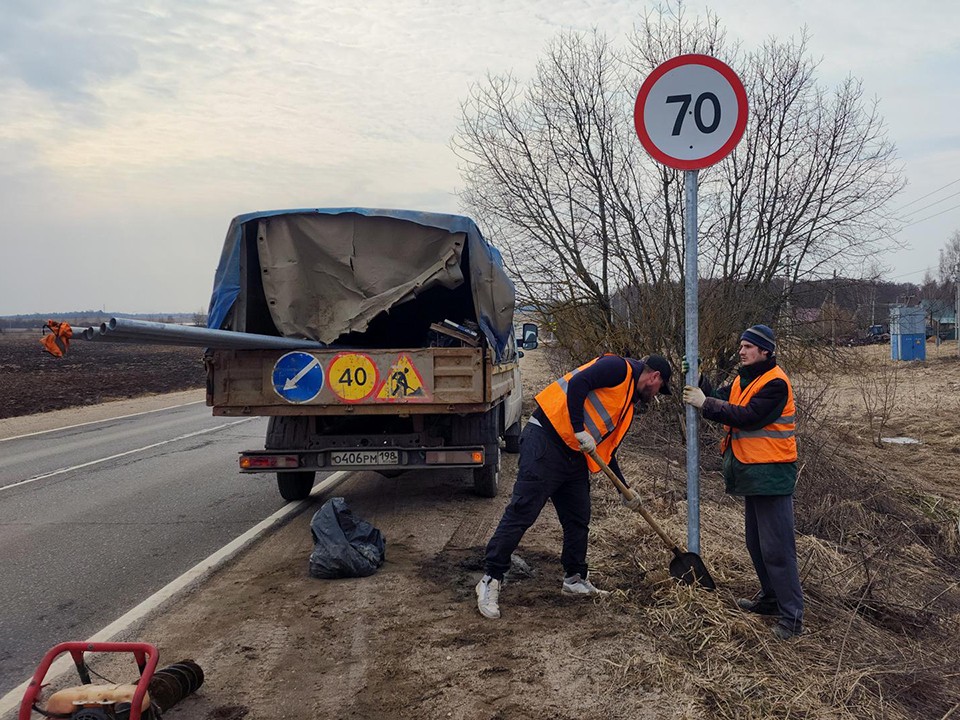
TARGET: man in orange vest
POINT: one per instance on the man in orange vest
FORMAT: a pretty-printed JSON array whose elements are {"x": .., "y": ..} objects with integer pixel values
[
  {"x": 589, "y": 408},
  {"x": 760, "y": 463}
]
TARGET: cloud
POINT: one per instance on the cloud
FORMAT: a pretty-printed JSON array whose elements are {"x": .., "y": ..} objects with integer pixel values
[
  {"x": 61, "y": 49},
  {"x": 121, "y": 120}
]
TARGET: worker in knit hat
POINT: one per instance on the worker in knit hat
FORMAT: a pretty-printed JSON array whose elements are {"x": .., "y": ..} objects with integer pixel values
[{"x": 760, "y": 463}]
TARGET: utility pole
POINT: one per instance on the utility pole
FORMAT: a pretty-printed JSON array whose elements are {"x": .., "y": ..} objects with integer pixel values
[
  {"x": 833, "y": 311},
  {"x": 956, "y": 305},
  {"x": 788, "y": 291}
]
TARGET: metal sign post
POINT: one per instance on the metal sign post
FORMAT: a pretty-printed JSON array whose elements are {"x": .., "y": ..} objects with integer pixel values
[
  {"x": 690, "y": 113},
  {"x": 692, "y": 350}
]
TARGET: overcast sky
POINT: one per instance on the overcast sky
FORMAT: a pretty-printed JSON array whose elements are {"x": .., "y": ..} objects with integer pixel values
[{"x": 131, "y": 132}]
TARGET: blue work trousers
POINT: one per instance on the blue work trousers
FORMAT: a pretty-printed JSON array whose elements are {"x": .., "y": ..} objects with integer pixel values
[
  {"x": 548, "y": 470},
  {"x": 769, "y": 531}
]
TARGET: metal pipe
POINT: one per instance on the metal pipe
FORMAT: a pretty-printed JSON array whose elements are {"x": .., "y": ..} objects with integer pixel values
[{"x": 169, "y": 334}]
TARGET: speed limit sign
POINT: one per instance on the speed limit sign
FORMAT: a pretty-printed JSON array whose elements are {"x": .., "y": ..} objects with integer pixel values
[{"x": 691, "y": 112}]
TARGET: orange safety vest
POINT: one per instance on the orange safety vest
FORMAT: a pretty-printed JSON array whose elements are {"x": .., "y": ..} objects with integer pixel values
[
  {"x": 773, "y": 443},
  {"x": 607, "y": 412}
]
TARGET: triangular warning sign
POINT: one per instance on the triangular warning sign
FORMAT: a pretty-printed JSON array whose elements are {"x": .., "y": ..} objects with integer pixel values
[{"x": 402, "y": 382}]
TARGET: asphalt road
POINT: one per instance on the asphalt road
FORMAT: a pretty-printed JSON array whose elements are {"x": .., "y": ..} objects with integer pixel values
[{"x": 96, "y": 518}]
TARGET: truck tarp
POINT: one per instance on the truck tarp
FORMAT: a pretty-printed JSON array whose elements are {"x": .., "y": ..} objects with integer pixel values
[{"x": 322, "y": 278}]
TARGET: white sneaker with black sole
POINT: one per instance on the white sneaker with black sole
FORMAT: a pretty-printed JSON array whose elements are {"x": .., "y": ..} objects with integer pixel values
[
  {"x": 576, "y": 585},
  {"x": 488, "y": 597}
]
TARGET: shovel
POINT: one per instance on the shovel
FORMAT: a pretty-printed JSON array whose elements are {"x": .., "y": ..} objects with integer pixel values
[{"x": 686, "y": 567}]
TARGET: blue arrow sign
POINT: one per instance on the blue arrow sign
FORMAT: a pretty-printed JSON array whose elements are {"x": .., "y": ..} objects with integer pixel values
[{"x": 298, "y": 377}]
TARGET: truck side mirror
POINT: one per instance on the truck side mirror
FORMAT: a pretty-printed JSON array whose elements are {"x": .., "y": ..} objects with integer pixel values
[{"x": 530, "y": 336}]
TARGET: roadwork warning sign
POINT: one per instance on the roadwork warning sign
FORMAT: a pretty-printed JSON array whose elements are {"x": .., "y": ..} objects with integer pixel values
[{"x": 403, "y": 382}]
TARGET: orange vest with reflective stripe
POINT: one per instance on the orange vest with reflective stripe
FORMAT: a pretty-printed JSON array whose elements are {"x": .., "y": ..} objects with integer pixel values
[
  {"x": 773, "y": 443},
  {"x": 607, "y": 412}
]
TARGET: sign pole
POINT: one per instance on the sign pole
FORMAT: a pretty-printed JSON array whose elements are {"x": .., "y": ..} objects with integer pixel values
[
  {"x": 692, "y": 349},
  {"x": 690, "y": 113}
]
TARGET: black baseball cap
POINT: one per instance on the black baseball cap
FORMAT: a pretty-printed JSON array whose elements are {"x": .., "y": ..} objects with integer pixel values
[{"x": 660, "y": 365}]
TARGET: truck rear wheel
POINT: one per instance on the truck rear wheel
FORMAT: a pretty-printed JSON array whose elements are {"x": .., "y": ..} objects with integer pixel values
[
  {"x": 295, "y": 485},
  {"x": 486, "y": 479}
]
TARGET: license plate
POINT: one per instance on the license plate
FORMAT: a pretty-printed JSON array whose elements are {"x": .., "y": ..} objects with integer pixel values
[{"x": 365, "y": 457}]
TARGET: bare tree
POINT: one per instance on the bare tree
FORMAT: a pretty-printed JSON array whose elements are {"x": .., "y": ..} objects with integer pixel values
[
  {"x": 879, "y": 387},
  {"x": 950, "y": 259},
  {"x": 593, "y": 227}
]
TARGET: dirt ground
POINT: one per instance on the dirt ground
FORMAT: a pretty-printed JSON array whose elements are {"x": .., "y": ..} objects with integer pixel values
[{"x": 408, "y": 642}]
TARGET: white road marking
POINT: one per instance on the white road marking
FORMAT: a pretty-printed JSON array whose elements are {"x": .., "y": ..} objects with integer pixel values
[
  {"x": 94, "y": 422},
  {"x": 61, "y": 471},
  {"x": 11, "y": 701}
]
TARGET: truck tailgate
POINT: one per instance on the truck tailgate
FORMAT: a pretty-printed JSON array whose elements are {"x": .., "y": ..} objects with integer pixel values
[{"x": 337, "y": 382}]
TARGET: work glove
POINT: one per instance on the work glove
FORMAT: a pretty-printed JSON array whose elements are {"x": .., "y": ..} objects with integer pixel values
[
  {"x": 693, "y": 396},
  {"x": 685, "y": 366},
  {"x": 587, "y": 443},
  {"x": 632, "y": 502}
]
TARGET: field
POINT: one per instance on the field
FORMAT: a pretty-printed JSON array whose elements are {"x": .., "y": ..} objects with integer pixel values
[
  {"x": 34, "y": 381},
  {"x": 878, "y": 545}
]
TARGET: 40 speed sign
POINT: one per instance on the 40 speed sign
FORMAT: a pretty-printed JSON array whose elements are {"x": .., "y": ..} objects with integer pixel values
[{"x": 691, "y": 111}]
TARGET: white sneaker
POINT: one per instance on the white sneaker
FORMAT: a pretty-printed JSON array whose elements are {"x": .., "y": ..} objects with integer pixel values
[
  {"x": 488, "y": 597},
  {"x": 576, "y": 585}
]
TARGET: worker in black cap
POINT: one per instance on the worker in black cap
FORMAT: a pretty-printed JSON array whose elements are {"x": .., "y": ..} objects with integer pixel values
[
  {"x": 760, "y": 463},
  {"x": 588, "y": 409}
]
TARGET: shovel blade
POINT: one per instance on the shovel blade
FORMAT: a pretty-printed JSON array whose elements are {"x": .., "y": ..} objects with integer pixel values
[{"x": 689, "y": 569}]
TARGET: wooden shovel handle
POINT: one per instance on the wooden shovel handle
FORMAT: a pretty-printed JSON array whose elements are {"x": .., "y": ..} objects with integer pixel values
[{"x": 629, "y": 494}]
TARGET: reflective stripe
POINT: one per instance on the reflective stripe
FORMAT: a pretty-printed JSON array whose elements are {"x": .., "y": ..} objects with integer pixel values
[
  {"x": 784, "y": 420},
  {"x": 593, "y": 401},
  {"x": 762, "y": 433},
  {"x": 564, "y": 383},
  {"x": 591, "y": 426}
]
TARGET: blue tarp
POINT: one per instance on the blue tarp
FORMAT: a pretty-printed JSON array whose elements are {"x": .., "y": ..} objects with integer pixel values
[{"x": 492, "y": 290}]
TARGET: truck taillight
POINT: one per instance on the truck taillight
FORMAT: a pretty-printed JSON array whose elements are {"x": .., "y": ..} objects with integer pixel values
[
  {"x": 454, "y": 457},
  {"x": 268, "y": 462}
]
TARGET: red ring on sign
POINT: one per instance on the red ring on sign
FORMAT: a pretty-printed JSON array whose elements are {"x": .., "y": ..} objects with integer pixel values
[{"x": 692, "y": 59}]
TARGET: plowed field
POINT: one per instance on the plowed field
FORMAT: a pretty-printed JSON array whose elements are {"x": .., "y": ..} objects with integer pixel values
[{"x": 34, "y": 381}]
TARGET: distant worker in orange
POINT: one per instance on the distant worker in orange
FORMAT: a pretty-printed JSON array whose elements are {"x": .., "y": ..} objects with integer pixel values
[
  {"x": 590, "y": 408},
  {"x": 760, "y": 463}
]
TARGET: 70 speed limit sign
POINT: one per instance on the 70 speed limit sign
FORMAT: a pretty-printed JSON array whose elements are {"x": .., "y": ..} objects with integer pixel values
[{"x": 691, "y": 112}]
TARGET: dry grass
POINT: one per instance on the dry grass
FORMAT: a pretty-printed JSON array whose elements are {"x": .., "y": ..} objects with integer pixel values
[{"x": 879, "y": 551}]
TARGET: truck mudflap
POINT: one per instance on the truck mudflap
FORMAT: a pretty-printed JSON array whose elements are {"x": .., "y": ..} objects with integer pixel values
[{"x": 362, "y": 458}]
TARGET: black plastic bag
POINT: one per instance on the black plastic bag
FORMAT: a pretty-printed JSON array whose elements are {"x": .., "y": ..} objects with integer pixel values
[{"x": 343, "y": 544}]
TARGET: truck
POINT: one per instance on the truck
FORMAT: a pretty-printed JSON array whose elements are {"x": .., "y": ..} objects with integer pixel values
[{"x": 410, "y": 357}]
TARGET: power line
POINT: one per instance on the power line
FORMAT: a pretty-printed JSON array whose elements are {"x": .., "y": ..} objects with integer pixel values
[
  {"x": 932, "y": 192},
  {"x": 936, "y": 202},
  {"x": 931, "y": 216},
  {"x": 915, "y": 272}
]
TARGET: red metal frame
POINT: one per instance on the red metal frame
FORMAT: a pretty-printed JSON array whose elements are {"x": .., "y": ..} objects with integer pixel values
[{"x": 145, "y": 654}]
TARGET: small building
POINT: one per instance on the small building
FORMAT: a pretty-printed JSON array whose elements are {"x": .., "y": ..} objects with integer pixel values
[
  {"x": 941, "y": 319},
  {"x": 908, "y": 339}
]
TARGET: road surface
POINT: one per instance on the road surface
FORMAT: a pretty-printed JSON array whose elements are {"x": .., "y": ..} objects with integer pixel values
[{"x": 96, "y": 517}]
